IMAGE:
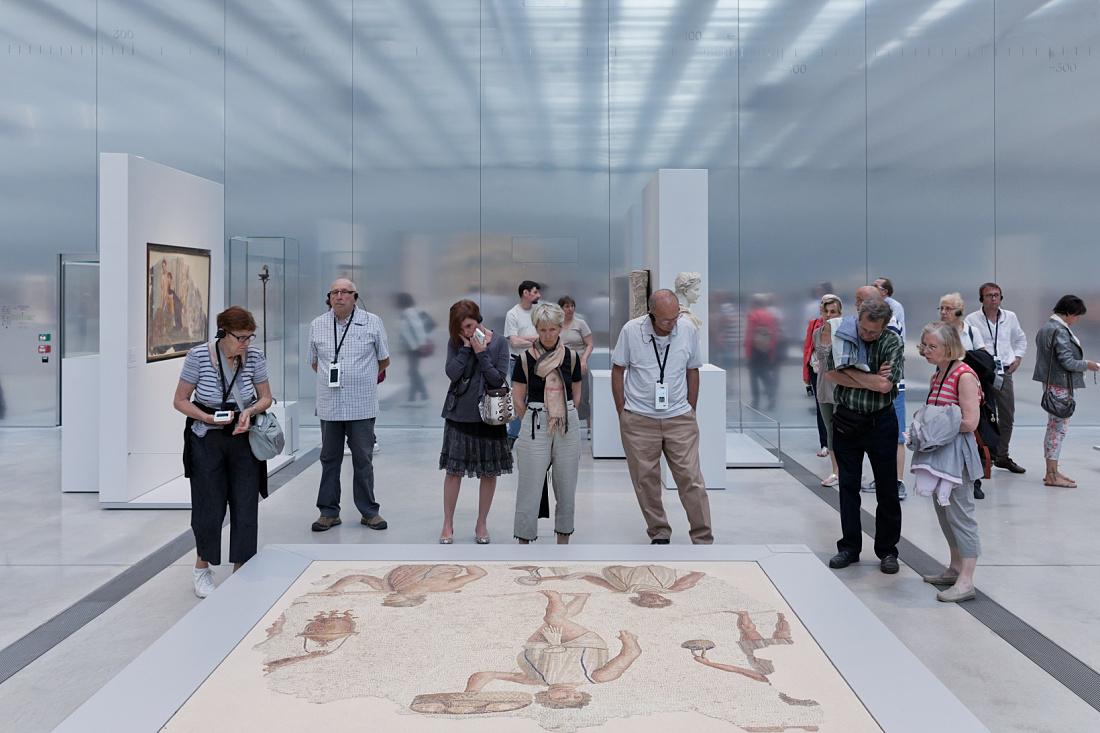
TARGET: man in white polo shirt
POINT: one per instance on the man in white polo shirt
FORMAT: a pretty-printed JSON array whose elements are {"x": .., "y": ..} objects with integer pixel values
[{"x": 655, "y": 383}]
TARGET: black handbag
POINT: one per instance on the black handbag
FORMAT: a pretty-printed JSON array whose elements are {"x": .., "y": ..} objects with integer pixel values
[{"x": 1054, "y": 404}]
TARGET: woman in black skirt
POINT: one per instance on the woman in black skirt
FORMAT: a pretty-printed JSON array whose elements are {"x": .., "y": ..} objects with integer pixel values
[{"x": 477, "y": 359}]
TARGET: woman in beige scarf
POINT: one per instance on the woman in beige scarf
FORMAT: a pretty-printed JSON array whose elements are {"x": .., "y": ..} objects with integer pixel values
[{"x": 546, "y": 384}]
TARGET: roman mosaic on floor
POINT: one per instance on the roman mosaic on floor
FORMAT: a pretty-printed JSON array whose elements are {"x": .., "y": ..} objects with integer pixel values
[{"x": 529, "y": 647}]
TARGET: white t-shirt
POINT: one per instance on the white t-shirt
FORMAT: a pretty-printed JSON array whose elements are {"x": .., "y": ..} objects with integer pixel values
[
  {"x": 634, "y": 351},
  {"x": 518, "y": 323}
]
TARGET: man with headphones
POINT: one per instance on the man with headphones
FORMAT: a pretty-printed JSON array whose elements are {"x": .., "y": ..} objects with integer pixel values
[
  {"x": 348, "y": 349},
  {"x": 1008, "y": 343},
  {"x": 655, "y": 384}
]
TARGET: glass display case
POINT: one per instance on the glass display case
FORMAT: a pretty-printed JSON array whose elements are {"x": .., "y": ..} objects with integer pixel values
[
  {"x": 79, "y": 305},
  {"x": 262, "y": 276}
]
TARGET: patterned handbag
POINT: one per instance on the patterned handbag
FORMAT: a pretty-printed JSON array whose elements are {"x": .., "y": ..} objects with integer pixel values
[{"x": 496, "y": 407}]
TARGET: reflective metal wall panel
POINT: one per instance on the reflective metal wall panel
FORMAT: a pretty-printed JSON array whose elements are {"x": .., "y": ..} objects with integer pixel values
[
  {"x": 1047, "y": 112},
  {"x": 929, "y": 159},
  {"x": 48, "y": 179},
  {"x": 288, "y": 130},
  {"x": 803, "y": 181},
  {"x": 416, "y": 198}
]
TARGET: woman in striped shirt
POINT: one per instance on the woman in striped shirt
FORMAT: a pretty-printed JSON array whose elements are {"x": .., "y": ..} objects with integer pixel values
[{"x": 217, "y": 456}]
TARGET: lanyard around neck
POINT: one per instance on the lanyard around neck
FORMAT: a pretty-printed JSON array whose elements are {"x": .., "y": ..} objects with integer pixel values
[
  {"x": 221, "y": 373},
  {"x": 660, "y": 364},
  {"x": 998, "y": 333},
  {"x": 347, "y": 325}
]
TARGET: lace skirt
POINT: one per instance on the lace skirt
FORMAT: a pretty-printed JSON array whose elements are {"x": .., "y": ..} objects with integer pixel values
[{"x": 475, "y": 450}]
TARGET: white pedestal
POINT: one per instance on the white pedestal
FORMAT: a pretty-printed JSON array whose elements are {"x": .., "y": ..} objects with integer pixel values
[
  {"x": 287, "y": 414},
  {"x": 80, "y": 424},
  {"x": 711, "y": 416},
  {"x": 606, "y": 442}
]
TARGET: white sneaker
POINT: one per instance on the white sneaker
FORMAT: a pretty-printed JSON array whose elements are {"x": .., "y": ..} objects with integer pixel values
[
  {"x": 377, "y": 446},
  {"x": 204, "y": 582}
]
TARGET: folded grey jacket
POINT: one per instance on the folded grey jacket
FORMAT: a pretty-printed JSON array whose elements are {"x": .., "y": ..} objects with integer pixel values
[{"x": 940, "y": 451}]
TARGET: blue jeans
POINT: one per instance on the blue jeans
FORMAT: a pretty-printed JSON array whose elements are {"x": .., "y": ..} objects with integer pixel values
[{"x": 359, "y": 435}]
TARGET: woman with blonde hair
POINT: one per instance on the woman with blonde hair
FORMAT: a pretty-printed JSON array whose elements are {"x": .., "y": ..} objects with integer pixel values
[{"x": 546, "y": 387}]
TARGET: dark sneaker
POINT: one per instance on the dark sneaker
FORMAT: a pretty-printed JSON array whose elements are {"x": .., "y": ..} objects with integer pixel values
[
  {"x": 978, "y": 493},
  {"x": 658, "y": 542},
  {"x": 889, "y": 564},
  {"x": 323, "y": 523},
  {"x": 902, "y": 493},
  {"x": 375, "y": 522},
  {"x": 842, "y": 560}
]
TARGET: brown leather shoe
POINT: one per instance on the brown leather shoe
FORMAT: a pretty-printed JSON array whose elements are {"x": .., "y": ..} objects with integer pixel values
[{"x": 1009, "y": 465}]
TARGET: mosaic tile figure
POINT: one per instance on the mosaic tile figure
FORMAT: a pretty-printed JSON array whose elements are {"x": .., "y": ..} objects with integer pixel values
[
  {"x": 409, "y": 585},
  {"x": 648, "y": 582}
]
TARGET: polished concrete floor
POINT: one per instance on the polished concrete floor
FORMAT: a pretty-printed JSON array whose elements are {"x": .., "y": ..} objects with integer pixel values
[{"x": 1039, "y": 562}]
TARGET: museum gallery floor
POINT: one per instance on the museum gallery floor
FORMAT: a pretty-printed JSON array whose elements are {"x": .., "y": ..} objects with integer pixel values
[{"x": 561, "y": 639}]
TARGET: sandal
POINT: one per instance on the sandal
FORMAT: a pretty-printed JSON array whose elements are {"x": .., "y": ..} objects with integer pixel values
[
  {"x": 1067, "y": 478},
  {"x": 823, "y": 453},
  {"x": 1058, "y": 480},
  {"x": 832, "y": 480}
]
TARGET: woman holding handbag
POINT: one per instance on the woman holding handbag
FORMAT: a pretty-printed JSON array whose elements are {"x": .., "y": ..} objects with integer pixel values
[
  {"x": 1060, "y": 366},
  {"x": 547, "y": 387},
  {"x": 217, "y": 456},
  {"x": 477, "y": 359}
]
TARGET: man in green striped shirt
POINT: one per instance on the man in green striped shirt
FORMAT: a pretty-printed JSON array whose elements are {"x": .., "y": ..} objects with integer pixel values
[{"x": 865, "y": 424}]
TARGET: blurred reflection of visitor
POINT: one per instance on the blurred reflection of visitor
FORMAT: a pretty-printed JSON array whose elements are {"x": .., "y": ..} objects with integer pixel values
[
  {"x": 417, "y": 345},
  {"x": 761, "y": 346},
  {"x": 823, "y": 388}
]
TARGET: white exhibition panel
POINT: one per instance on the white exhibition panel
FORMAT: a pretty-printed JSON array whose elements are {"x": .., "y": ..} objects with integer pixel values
[
  {"x": 80, "y": 424},
  {"x": 676, "y": 235},
  {"x": 710, "y": 413},
  {"x": 141, "y": 202}
]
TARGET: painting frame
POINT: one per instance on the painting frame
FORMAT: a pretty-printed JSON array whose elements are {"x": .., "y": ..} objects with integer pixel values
[{"x": 177, "y": 300}]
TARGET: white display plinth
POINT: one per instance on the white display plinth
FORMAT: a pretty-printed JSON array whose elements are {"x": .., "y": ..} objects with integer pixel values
[
  {"x": 606, "y": 441},
  {"x": 80, "y": 423},
  {"x": 710, "y": 413},
  {"x": 287, "y": 414},
  {"x": 141, "y": 202}
]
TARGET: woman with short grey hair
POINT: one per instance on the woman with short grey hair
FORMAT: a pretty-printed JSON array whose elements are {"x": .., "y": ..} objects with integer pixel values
[{"x": 546, "y": 386}]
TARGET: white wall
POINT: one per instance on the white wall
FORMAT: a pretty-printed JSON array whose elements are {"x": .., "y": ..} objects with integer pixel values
[
  {"x": 675, "y": 231},
  {"x": 141, "y": 434}
]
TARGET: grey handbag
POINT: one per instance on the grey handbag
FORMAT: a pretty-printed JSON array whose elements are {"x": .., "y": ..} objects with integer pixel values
[
  {"x": 1054, "y": 404},
  {"x": 265, "y": 434}
]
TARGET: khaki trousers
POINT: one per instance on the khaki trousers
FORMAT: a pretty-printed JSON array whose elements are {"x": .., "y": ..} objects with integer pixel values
[{"x": 644, "y": 440}]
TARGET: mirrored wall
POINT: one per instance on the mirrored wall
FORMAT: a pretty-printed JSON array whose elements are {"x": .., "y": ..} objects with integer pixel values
[{"x": 445, "y": 149}]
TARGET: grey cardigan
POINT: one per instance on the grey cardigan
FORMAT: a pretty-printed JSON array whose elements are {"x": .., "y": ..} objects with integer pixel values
[
  {"x": 1068, "y": 357},
  {"x": 491, "y": 369}
]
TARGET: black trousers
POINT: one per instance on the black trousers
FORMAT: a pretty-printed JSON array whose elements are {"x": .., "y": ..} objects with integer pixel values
[
  {"x": 880, "y": 444},
  {"x": 224, "y": 473}
]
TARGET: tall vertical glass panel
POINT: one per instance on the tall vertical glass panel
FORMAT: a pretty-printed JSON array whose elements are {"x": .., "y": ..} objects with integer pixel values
[
  {"x": 544, "y": 153},
  {"x": 416, "y": 234},
  {"x": 48, "y": 179},
  {"x": 929, "y": 159},
  {"x": 1047, "y": 74},
  {"x": 288, "y": 131},
  {"x": 673, "y": 104},
  {"x": 803, "y": 187}
]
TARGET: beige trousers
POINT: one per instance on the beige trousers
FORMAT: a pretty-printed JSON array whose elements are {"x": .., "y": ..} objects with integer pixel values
[
  {"x": 644, "y": 440},
  {"x": 534, "y": 455}
]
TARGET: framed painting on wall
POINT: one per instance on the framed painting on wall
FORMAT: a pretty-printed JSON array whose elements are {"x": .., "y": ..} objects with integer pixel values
[{"x": 178, "y": 300}]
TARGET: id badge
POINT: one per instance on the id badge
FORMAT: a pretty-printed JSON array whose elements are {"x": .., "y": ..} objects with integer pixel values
[
  {"x": 998, "y": 365},
  {"x": 660, "y": 397},
  {"x": 334, "y": 375}
]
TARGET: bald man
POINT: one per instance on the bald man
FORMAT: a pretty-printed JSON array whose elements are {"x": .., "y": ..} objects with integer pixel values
[
  {"x": 655, "y": 383},
  {"x": 348, "y": 350}
]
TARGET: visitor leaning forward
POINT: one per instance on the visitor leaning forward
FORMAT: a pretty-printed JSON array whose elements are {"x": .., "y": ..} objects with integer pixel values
[
  {"x": 347, "y": 349},
  {"x": 655, "y": 383},
  {"x": 217, "y": 456},
  {"x": 865, "y": 423}
]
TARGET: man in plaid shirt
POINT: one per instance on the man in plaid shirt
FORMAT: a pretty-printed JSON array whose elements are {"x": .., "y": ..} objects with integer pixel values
[
  {"x": 348, "y": 350},
  {"x": 865, "y": 423}
]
